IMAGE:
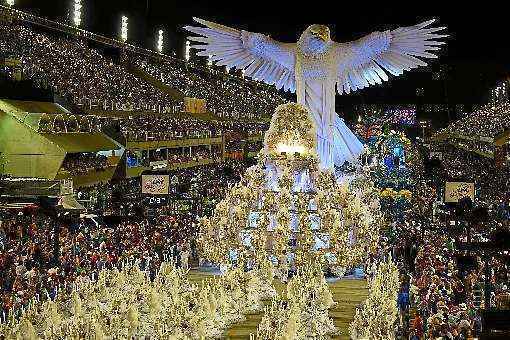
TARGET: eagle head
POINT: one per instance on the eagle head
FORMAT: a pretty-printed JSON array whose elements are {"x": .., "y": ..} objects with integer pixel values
[{"x": 315, "y": 38}]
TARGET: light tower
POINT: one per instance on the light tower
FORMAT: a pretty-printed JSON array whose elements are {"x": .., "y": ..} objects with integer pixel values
[
  {"x": 10, "y": 3},
  {"x": 159, "y": 44},
  {"x": 124, "y": 28},
  {"x": 76, "y": 12},
  {"x": 187, "y": 50}
]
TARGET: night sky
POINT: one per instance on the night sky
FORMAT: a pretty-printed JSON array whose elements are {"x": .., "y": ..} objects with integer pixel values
[{"x": 477, "y": 54}]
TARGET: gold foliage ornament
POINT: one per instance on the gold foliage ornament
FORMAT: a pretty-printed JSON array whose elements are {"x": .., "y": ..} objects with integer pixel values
[
  {"x": 304, "y": 314},
  {"x": 292, "y": 130},
  {"x": 288, "y": 210}
]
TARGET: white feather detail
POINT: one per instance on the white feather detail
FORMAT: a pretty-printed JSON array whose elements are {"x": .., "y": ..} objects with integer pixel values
[
  {"x": 365, "y": 61},
  {"x": 261, "y": 57}
]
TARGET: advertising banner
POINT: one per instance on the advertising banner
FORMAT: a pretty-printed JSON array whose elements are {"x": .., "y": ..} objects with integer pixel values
[
  {"x": 155, "y": 184},
  {"x": 455, "y": 191}
]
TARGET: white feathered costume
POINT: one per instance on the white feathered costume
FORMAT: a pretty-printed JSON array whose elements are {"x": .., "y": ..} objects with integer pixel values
[{"x": 315, "y": 65}]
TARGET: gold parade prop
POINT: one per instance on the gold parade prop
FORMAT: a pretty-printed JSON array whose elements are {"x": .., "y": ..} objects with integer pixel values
[{"x": 271, "y": 214}]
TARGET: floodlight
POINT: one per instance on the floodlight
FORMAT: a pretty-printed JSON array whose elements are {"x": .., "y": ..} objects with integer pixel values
[
  {"x": 124, "y": 28},
  {"x": 159, "y": 44},
  {"x": 76, "y": 12},
  {"x": 187, "y": 50}
]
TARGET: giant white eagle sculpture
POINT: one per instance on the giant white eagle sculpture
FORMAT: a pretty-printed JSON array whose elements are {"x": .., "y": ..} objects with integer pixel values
[{"x": 314, "y": 65}]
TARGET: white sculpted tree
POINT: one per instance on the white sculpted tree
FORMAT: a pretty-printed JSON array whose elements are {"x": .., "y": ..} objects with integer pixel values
[
  {"x": 377, "y": 316},
  {"x": 127, "y": 304},
  {"x": 314, "y": 65},
  {"x": 304, "y": 312}
]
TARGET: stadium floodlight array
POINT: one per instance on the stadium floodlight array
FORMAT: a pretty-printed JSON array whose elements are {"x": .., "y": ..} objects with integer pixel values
[
  {"x": 10, "y": 3},
  {"x": 77, "y": 12},
  {"x": 187, "y": 50},
  {"x": 124, "y": 28},
  {"x": 159, "y": 45}
]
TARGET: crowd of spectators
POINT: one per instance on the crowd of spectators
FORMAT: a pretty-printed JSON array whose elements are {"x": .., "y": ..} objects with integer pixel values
[
  {"x": 88, "y": 77},
  {"x": 443, "y": 286},
  {"x": 174, "y": 156},
  {"x": 40, "y": 254},
  {"x": 478, "y": 147},
  {"x": 198, "y": 154},
  {"x": 81, "y": 163},
  {"x": 444, "y": 292},
  {"x": 476, "y": 124},
  {"x": 27, "y": 256},
  {"x": 203, "y": 185},
  {"x": 72, "y": 69},
  {"x": 443, "y": 297},
  {"x": 151, "y": 127},
  {"x": 145, "y": 127},
  {"x": 225, "y": 95},
  {"x": 209, "y": 184},
  {"x": 492, "y": 181}
]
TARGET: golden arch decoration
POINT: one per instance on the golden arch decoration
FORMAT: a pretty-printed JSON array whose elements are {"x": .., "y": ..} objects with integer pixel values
[
  {"x": 45, "y": 123},
  {"x": 59, "y": 124},
  {"x": 72, "y": 124}
]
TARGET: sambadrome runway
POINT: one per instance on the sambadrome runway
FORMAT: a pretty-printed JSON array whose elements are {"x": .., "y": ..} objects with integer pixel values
[{"x": 347, "y": 293}]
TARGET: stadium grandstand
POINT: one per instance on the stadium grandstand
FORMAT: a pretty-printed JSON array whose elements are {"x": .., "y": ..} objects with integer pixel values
[
  {"x": 475, "y": 148},
  {"x": 486, "y": 131},
  {"x": 140, "y": 80},
  {"x": 121, "y": 112}
]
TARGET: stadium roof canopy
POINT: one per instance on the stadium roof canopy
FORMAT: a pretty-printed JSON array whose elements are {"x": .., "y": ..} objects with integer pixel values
[
  {"x": 30, "y": 113},
  {"x": 36, "y": 107}
]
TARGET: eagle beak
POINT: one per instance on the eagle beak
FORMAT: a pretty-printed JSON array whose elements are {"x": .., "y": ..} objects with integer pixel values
[{"x": 321, "y": 34}]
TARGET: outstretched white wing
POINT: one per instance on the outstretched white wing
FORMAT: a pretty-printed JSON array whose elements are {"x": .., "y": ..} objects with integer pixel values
[
  {"x": 259, "y": 55},
  {"x": 363, "y": 62}
]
